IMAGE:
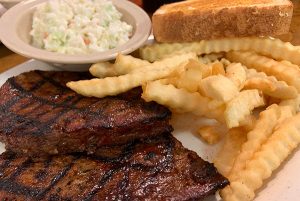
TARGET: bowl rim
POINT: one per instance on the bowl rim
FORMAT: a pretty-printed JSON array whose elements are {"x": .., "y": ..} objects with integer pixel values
[{"x": 10, "y": 38}]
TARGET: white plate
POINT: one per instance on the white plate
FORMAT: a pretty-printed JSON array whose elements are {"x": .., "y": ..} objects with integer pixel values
[{"x": 283, "y": 186}]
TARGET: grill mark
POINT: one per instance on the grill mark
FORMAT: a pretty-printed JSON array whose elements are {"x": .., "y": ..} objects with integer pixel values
[
  {"x": 24, "y": 93},
  {"x": 31, "y": 123},
  {"x": 11, "y": 186},
  {"x": 41, "y": 174},
  {"x": 64, "y": 104},
  {"x": 4, "y": 166},
  {"x": 166, "y": 164},
  {"x": 123, "y": 184},
  {"x": 8, "y": 160},
  {"x": 10, "y": 103},
  {"x": 24, "y": 166},
  {"x": 119, "y": 165},
  {"x": 105, "y": 178},
  {"x": 68, "y": 99},
  {"x": 16, "y": 188},
  {"x": 109, "y": 174},
  {"x": 45, "y": 126},
  {"x": 37, "y": 85},
  {"x": 169, "y": 143},
  {"x": 24, "y": 106},
  {"x": 56, "y": 179},
  {"x": 75, "y": 101},
  {"x": 51, "y": 80}
]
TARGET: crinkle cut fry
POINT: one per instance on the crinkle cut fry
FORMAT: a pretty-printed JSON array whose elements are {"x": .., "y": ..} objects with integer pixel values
[
  {"x": 281, "y": 89},
  {"x": 237, "y": 74},
  {"x": 255, "y": 138},
  {"x": 271, "y": 67},
  {"x": 103, "y": 69},
  {"x": 274, "y": 48},
  {"x": 123, "y": 64},
  {"x": 225, "y": 158},
  {"x": 176, "y": 99},
  {"x": 241, "y": 106},
  {"x": 294, "y": 104},
  {"x": 274, "y": 89},
  {"x": 210, "y": 134},
  {"x": 271, "y": 155},
  {"x": 115, "y": 85},
  {"x": 218, "y": 87}
]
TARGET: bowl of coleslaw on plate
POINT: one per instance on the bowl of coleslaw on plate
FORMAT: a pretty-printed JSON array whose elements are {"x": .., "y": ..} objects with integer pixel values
[{"x": 72, "y": 34}]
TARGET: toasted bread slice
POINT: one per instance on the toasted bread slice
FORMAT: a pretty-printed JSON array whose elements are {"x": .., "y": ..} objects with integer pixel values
[{"x": 195, "y": 20}]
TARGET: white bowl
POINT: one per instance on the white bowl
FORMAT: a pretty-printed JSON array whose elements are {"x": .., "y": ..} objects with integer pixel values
[
  {"x": 9, "y": 3},
  {"x": 18, "y": 20}
]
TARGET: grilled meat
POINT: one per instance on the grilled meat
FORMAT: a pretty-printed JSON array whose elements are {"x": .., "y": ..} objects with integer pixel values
[
  {"x": 39, "y": 115},
  {"x": 158, "y": 168}
]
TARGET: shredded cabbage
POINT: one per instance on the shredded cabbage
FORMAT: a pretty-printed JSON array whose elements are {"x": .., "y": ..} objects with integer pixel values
[{"x": 78, "y": 26}]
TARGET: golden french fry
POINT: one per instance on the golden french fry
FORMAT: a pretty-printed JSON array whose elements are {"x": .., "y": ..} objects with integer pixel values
[
  {"x": 237, "y": 74},
  {"x": 285, "y": 112},
  {"x": 191, "y": 76},
  {"x": 218, "y": 87},
  {"x": 256, "y": 137},
  {"x": 217, "y": 68},
  {"x": 123, "y": 64},
  {"x": 274, "y": 89},
  {"x": 176, "y": 99},
  {"x": 103, "y": 69},
  {"x": 216, "y": 104},
  {"x": 271, "y": 47},
  {"x": 277, "y": 148},
  {"x": 288, "y": 63},
  {"x": 232, "y": 144},
  {"x": 282, "y": 90},
  {"x": 241, "y": 106},
  {"x": 115, "y": 85},
  {"x": 206, "y": 70},
  {"x": 262, "y": 84},
  {"x": 294, "y": 104},
  {"x": 126, "y": 64},
  {"x": 249, "y": 122},
  {"x": 210, "y": 134},
  {"x": 271, "y": 67}
]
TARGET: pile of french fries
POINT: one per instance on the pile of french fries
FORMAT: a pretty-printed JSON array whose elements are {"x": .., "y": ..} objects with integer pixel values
[{"x": 251, "y": 85}]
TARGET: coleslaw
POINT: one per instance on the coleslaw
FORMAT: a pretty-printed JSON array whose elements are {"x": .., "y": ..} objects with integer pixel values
[{"x": 78, "y": 26}]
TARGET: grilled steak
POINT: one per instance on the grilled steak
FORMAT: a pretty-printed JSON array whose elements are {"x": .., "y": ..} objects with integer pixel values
[
  {"x": 40, "y": 115},
  {"x": 158, "y": 168}
]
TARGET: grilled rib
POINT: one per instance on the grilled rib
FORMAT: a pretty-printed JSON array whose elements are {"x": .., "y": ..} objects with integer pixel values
[
  {"x": 39, "y": 115},
  {"x": 159, "y": 168}
]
